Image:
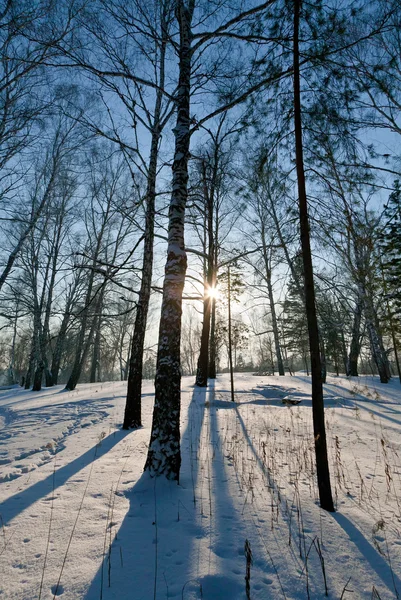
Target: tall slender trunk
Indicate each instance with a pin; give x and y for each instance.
(212, 345)
(390, 317)
(133, 405)
(203, 360)
(230, 346)
(133, 408)
(322, 465)
(323, 359)
(344, 352)
(40, 365)
(268, 277)
(82, 347)
(95, 369)
(355, 346)
(212, 353)
(11, 373)
(376, 343)
(61, 337)
(79, 358)
(44, 342)
(164, 454)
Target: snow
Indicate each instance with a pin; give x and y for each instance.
(79, 519)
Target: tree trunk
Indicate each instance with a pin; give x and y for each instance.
(94, 374)
(355, 347)
(376, 343)
(58, 350)
(203, 360)
(323, 360)
(164, 454)
(212, 353)
(133, 409)
(82, 348)
(322, 465)
(344, 352)
(11, 373)
(38, 333)
(280, 365)
(31, 365)
(81, 357)
(230, 347)
(38, 376)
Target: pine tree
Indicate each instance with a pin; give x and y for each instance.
(390, 246)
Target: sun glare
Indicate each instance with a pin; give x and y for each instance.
(213, 292)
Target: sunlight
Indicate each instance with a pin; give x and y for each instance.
(213, 292)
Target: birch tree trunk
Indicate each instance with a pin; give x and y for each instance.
(164, 454)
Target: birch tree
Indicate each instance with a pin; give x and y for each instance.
(164, 455)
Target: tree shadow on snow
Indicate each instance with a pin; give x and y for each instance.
(20, 501)
(376, 561)
(154, 540)
(275, 394)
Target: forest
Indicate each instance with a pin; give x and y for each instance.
(199, 189)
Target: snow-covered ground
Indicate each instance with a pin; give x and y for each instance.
(80, 521)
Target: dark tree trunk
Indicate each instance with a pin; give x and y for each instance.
(230, 346)
(280, 365)
(81, 357)
(37, 350)
(355, 347)
(323, 360)
(133, 409)
(344, 352)
(203, 360)
(31, 365)
(37, 378)
(95, 370)
(164, 454)
(322, 465)
(212, 355)
(133, 406)
(58, 350)
(376, 343)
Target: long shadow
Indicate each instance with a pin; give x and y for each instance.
(86, 405)
(156, 535)
(20, 501)
(227, 531)
(372, 556)
(375, 560)
(230, 529)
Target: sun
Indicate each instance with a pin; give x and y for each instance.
(213, 292)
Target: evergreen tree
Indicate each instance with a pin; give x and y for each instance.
(390, 246)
